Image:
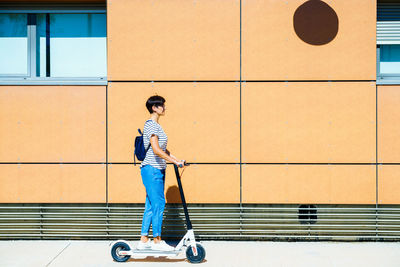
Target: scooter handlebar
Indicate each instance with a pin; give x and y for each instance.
(184, 164)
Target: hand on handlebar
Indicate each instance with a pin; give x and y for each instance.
(180, 163)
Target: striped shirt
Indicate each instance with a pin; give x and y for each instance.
(153, 128)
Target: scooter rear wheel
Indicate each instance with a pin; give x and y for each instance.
(116, 248)
(201, 254)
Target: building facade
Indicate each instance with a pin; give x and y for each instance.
(288, 111)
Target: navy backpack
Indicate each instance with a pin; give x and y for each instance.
(140, 151)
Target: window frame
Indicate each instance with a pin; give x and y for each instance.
(388, 16)
(31, 79)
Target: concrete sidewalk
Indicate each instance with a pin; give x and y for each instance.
(218, 253)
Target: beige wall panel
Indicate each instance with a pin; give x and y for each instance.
(271, 49)
(201, 184)
(309, 184)
(52, 123)
(388, 184)
(388, 124)
(52, 183)
(173, 40)
(202, 119)
(315, 122)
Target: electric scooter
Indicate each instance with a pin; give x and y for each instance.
(121, 250)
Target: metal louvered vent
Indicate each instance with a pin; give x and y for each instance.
(216, 221)
(388, 23)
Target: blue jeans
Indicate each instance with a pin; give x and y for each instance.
(154, 181)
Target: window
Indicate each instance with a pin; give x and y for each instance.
(388, 43)
(55, 45)
(389, 62)
(14, 45)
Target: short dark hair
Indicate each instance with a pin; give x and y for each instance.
(154, 100)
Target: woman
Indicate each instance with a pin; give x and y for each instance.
(153, 175)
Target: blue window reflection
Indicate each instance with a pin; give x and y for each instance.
(389, 59)
(78, 45)
(13, 44)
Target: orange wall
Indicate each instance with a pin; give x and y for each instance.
(388, 124)
(388, 144)
(309, 122)
(389, 184)
(311, 104)
(202, 119)
(53, 123)
(173, 40)
(273, 51)
(202, 184)
(53, 183)
(327, 184)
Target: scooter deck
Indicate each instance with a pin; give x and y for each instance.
(150, 252)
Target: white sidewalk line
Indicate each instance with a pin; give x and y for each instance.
(48, 264)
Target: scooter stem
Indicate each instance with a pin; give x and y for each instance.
(178, 178)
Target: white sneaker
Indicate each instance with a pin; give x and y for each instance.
(144, 245)
(162, 246)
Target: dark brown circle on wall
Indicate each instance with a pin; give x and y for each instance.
(315, 22)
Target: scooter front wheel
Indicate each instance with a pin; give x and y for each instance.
(116, 248)
(201, 254)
